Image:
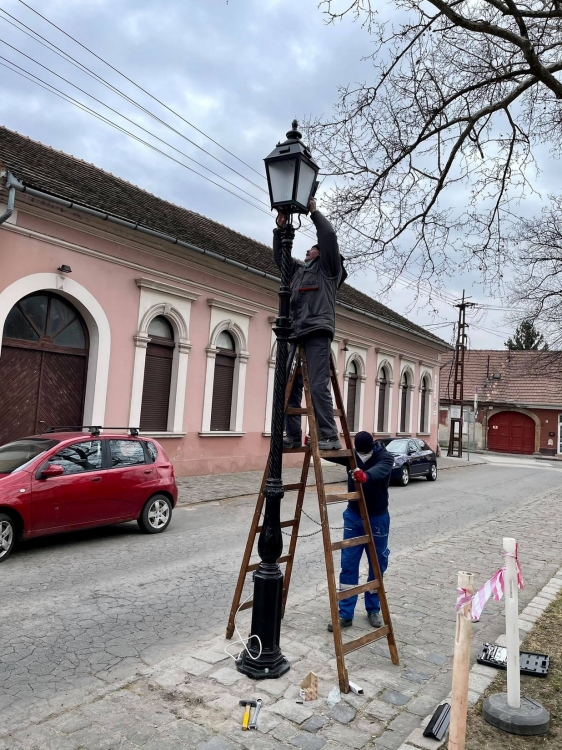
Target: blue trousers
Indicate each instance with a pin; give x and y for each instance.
(351, 558)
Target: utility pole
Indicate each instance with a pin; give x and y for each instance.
(456, 414)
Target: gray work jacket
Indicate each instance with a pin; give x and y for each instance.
(313, 289)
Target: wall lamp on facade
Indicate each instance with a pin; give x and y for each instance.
(344, 347)
(64, 269)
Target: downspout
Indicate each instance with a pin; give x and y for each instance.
(11, 199)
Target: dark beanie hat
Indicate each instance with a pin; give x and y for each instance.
(364, 442)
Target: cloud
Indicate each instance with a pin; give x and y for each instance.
(240, 71)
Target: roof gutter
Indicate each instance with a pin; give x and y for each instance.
(15, 184)
(11, 198)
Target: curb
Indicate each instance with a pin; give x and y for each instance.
(480, 675)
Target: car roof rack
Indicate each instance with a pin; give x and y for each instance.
(92, 429)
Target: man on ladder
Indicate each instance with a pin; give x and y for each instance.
(374, 464)
(314, 285)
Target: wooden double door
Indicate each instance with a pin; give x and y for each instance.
(511, 432)
(43, 366)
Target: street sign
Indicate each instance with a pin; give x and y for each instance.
(455, 412)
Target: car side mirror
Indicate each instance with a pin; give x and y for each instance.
(53, 470)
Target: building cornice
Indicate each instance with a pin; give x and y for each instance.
(160, 286)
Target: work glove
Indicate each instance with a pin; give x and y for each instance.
(359, 476)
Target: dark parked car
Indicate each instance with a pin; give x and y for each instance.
(63, 481)
(412, 458)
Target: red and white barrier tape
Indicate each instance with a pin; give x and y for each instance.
(494, 586)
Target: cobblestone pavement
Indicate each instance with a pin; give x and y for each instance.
(114, 640)
(221, 486)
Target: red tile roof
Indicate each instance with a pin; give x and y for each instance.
(56, 173)
(525, 377)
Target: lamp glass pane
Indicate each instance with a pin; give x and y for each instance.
(306, 179)
(282, 175)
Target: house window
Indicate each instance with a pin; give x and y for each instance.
(424, 403)
(382, 407)
(352, 397)
(157, 376)
(221, 409)
(405, 402)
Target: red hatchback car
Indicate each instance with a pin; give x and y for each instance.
(63, 481)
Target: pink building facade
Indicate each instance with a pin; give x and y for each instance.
(168, 324)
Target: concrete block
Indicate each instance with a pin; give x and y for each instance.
(479, 682)
(344, 736)
(484, 670)
(226, 676)
(417, 739)
(473, 697)
(526, 626)
(292, 711)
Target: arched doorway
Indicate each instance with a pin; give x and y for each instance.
(43, 366)
(511, 432)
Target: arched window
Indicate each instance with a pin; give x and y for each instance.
(424, 403)
(405, 402)
(157, 376)
(221, 409)
(352, 396)
(382, 406)
(43, 366)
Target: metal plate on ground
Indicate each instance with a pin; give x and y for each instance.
(494, 655)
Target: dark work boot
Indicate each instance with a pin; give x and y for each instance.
(292, 442)
(343, 624)
(331, 444)
(375, 618)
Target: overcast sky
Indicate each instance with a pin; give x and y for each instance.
(237, 70)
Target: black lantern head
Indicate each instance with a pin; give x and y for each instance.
(291, 174)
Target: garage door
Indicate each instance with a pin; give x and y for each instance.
(511, 432)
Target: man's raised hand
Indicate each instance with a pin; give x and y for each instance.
(312, 205)
(281, 219)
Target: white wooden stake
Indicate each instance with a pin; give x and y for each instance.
(512, 625)
(461, 668)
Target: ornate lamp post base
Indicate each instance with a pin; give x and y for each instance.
(266, 624)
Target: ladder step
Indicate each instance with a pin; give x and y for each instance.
(343, 497)
(254, 566)
(283, 524)
(296, 410)
(336, 454)
(246, 605)
(292, 487)
(356, 590)
(338, 412)
(354, 542)
(365, 639)
(302, 449)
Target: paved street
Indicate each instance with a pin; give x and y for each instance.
(84, 611)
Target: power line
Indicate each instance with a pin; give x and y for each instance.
(128, 119)
(84, 69)
(101, 59)
(84, 107)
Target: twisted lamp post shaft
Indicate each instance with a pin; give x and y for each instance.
(268, 579)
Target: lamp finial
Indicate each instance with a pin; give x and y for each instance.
(294, 134)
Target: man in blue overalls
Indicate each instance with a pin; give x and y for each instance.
(374, 464)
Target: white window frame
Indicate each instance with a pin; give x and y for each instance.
(408, 370)
(429, 394)
(356, 358)
(174, 304)
(388, 398)
(234, 318)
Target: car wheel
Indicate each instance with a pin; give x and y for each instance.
(156, 515)
(432, 476)
(7, 536)
(404, 476)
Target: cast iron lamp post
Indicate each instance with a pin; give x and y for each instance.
(291, 176)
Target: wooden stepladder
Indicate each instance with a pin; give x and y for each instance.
(341, 648)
